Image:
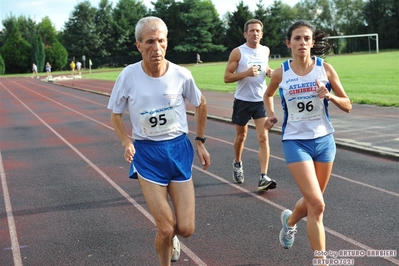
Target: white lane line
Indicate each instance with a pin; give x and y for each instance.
(341, 236)
(335, 175)
(66, 107)
(183, 247)
(60, 92)
(278, 206)
(16, 254)
(209, 137)
(367, 185)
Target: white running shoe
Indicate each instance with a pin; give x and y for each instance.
(287, 234)
(176, 249)
(238, 172)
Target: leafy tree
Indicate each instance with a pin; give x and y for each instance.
(198, 19)
(27, 27)
(328, 18)
(16, 52)
(216, 28)
(2, 66)
(333, 16)
(342, 17)
(3, 36)
(270, 18)
(235, 27)
(47, 31)
(104, 22)
(38, 54)
(126, 14)
(349, 15)
(80, 36)
(261, 13)
(8, 25)
(168, 11)
(57, 55)
(381, 16)
(49, 39)
(193, 25)
(286, 18)
(307, 10)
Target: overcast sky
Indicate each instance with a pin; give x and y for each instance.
(59, 11)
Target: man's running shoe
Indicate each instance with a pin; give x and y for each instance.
(266, 183)
(176, 249)
(287, 234)
(238, 172)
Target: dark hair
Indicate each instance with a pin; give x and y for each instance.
(321, 46)
(252, 21)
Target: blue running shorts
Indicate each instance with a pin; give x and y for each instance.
(162, 162)
(321, 150)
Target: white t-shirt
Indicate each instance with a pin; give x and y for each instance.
(251, 89)
(157, 106)
(305, 114)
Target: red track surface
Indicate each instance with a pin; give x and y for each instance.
(66, 198)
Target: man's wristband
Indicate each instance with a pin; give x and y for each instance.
(202, 139)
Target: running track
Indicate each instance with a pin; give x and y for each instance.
(66, 199)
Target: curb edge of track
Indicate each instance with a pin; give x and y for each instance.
(346, 144)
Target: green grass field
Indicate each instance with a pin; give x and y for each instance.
(367, 78)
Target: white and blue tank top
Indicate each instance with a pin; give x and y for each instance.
(305, 114)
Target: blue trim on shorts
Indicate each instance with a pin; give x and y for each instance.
(321, 150)
(162, 162)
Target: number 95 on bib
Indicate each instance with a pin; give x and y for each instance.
(158, 121)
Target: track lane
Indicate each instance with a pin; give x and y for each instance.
(63, 132)
(234, 217)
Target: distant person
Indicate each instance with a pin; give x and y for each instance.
(48, 70)
(78, 67)
(72, 65)
(154, 91)
(307, 85)
(34, 71)
(248, 65)
(198, 58)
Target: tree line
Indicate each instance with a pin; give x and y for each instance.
(105, 34)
